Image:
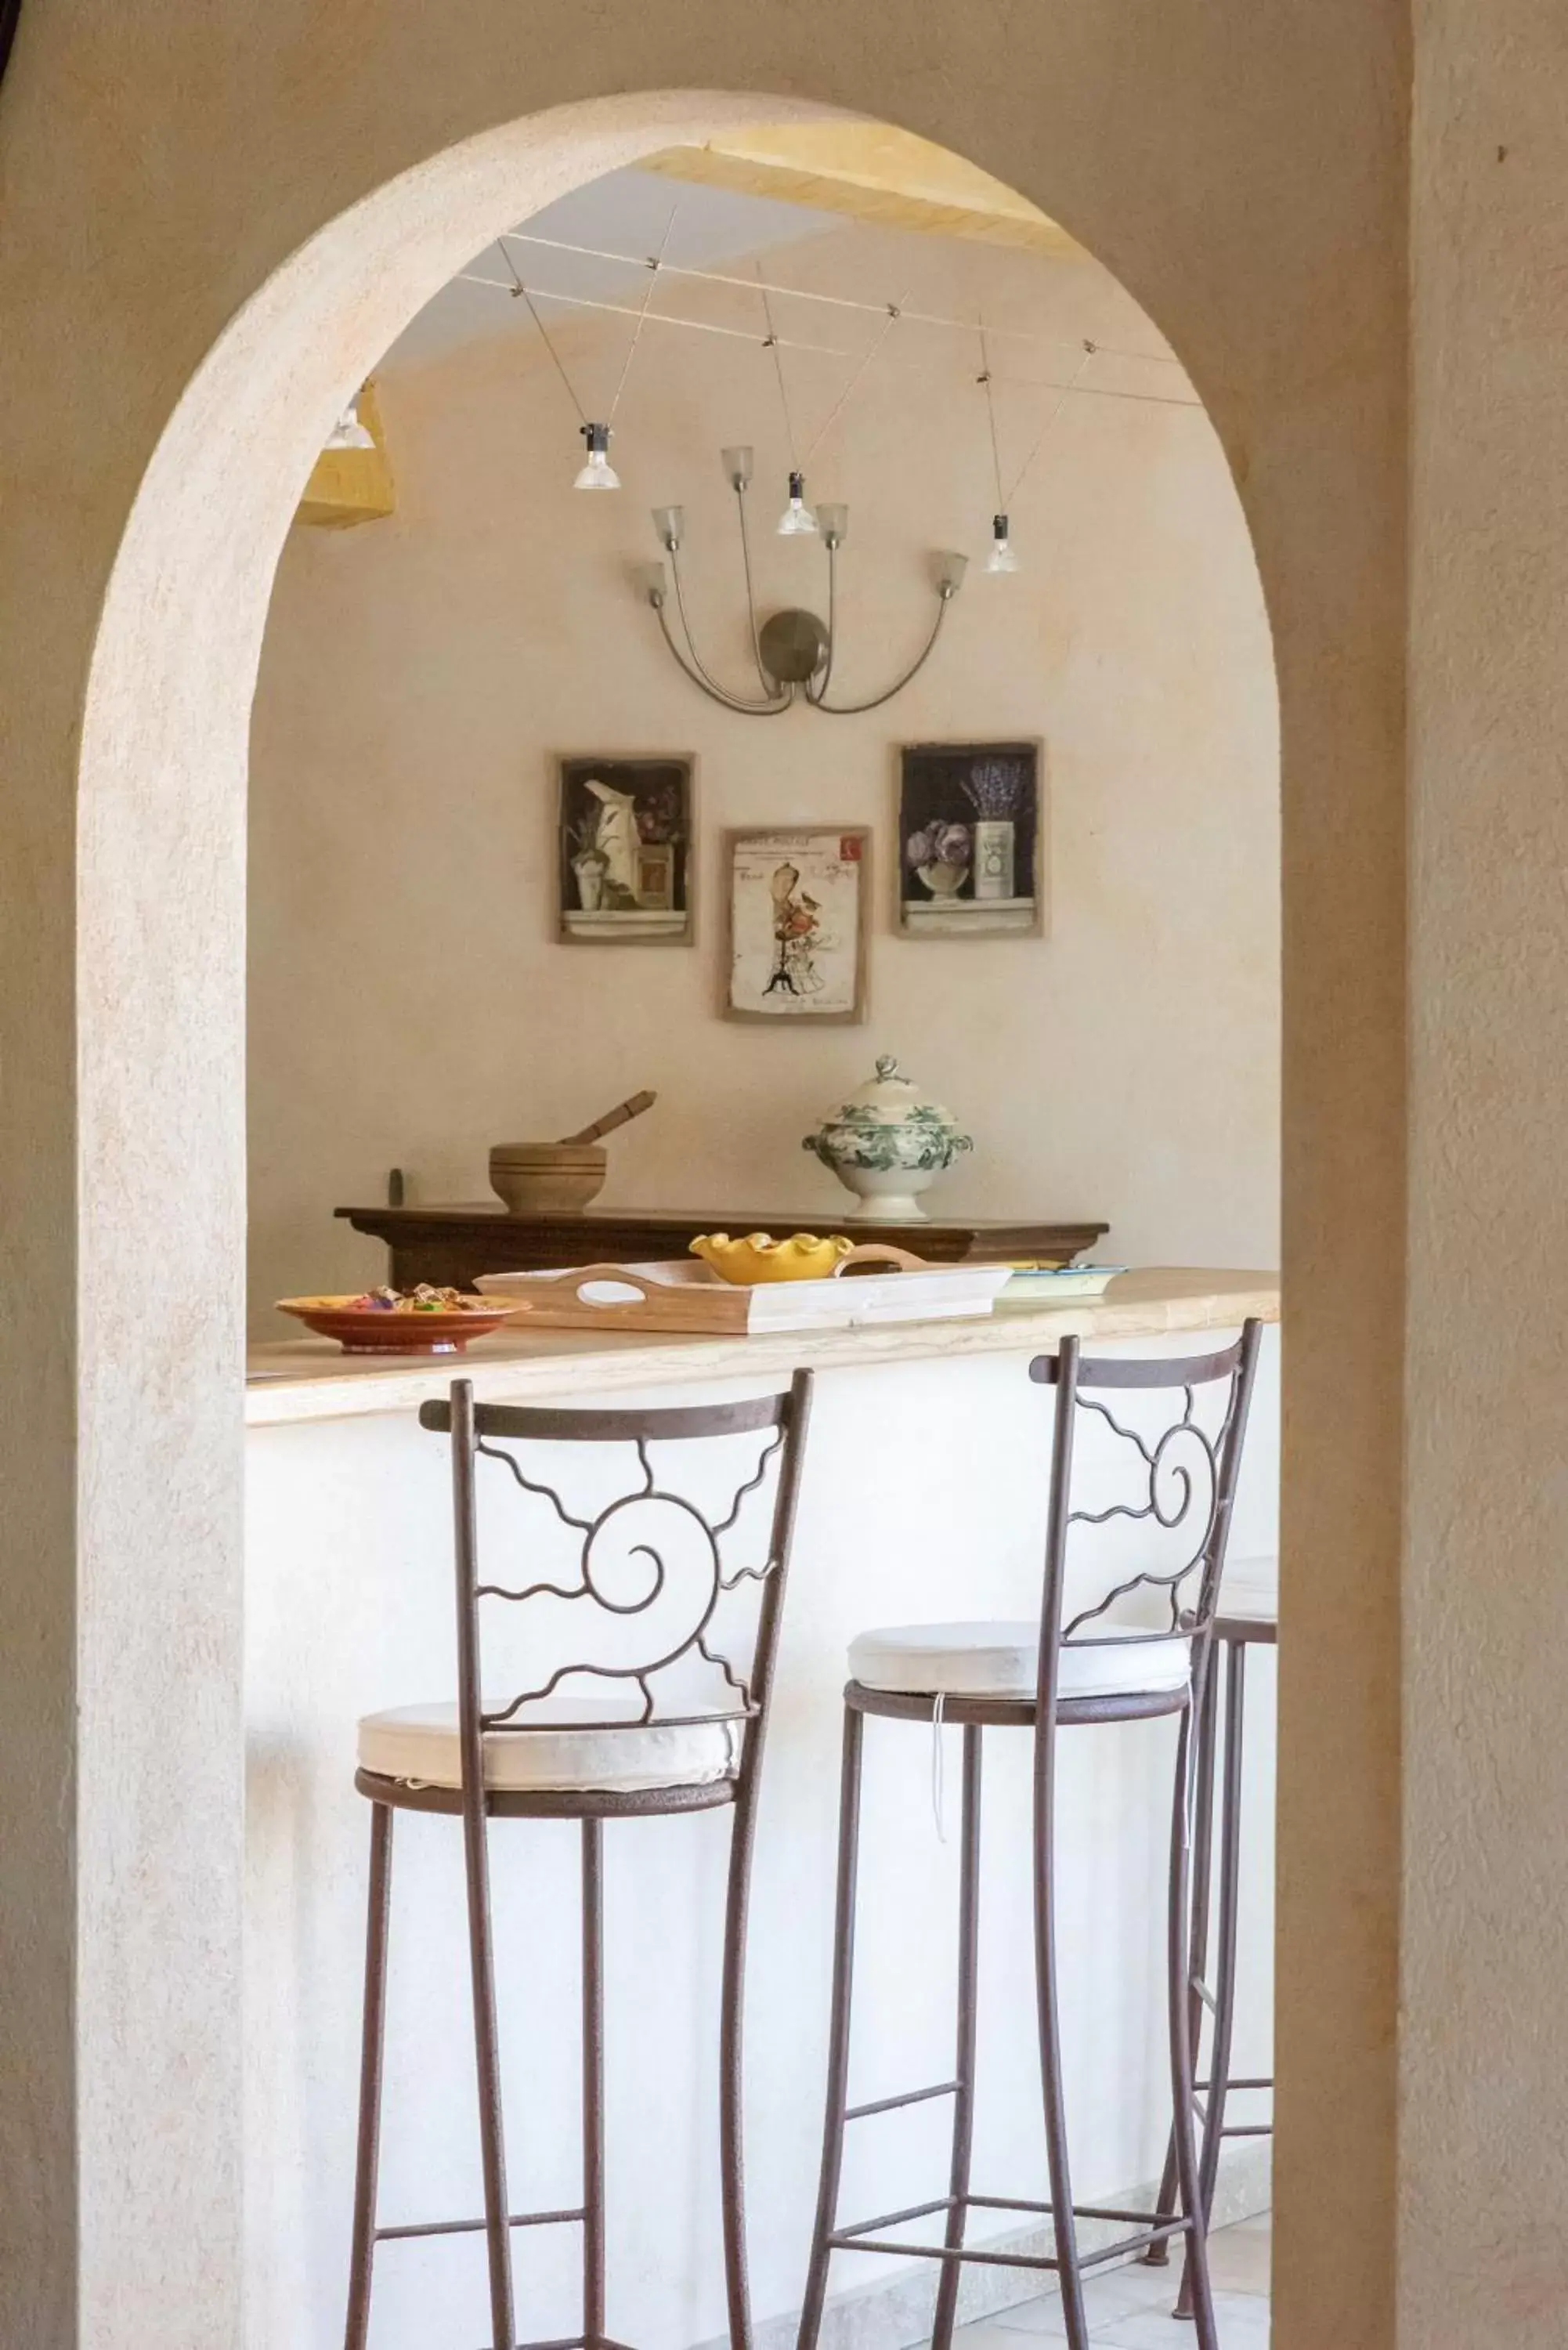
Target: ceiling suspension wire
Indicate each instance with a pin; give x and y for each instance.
(1067, 389)
(817, 350)
(894, 314)
(771, 343)
(1006, 494)
(830, 301)
(658, 318)
(655, 265)
(985, 379)
(518, 288)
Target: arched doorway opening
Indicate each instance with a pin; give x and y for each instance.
(161, 770)
(407, 980)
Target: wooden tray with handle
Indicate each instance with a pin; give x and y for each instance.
(689, 1298)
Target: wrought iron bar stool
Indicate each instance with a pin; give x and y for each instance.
(682, 1645)
(1047, 1676)
(1247, 1617)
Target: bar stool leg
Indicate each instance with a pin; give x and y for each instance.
(1158, 2254)
(963, 2067)
(731, 2053)
(838, 2030)
(487, 2054)
(1225, 1956)
(593, 2085)
(372, 2049)
(1062, 2217)
(1195, 2274)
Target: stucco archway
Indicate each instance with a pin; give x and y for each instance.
(140, 2058)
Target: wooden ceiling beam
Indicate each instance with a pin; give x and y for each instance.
(870, 171)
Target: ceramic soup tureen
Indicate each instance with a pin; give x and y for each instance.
(887, 1143)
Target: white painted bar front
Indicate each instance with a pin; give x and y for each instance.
(923, 1499)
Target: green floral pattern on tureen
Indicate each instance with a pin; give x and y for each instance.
(889, 1124)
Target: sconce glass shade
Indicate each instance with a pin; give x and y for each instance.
(670, 522)
(951, 570)
(797, 521)
(1002, 557)
(651, 584)
(599, 473)
(833, 521)
(737, 464)
(348, 433)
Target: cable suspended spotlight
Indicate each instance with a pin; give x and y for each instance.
(350, 432)
(1002, 557)
(1002, 560)
(794, 650)
(599, 473)
(797, 521)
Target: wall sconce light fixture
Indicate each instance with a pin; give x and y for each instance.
(793, 652)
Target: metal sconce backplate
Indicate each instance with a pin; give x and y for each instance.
(792, 647)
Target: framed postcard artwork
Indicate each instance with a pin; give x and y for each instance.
(797, 907)
(625, 862)
(972, 840)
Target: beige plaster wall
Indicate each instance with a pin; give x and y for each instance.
(408, 1002)
(1484, 2052)
(206, 243)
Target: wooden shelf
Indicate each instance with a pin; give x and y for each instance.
(453, 1244)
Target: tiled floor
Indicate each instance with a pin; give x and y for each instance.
(1129, 2308)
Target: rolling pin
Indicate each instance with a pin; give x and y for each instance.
(623, 1112)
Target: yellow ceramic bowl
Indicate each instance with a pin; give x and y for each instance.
(759, 1257)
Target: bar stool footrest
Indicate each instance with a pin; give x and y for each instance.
(907, 2097)
(1152, 2228)
(477, 2228)
(576, 2342)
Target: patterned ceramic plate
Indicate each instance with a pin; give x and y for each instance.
(1036, 1286)
(381, 1330)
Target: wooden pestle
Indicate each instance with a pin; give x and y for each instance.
(623, 1112)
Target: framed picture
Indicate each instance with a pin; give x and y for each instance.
(626, 830)
(972, 840)
(795, 939)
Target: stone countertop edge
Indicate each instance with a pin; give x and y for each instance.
(311, 1379)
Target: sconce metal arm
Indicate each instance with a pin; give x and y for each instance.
(854, 708)
(699, 669)
(714, 692)
(762, 677)
(815, 699)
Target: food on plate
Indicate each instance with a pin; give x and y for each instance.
(421, 1299)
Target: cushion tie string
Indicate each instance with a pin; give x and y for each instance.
(937, 1780)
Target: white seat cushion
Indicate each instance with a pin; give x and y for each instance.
(420, 1744)
(1002, 1659)
(1251, 1590)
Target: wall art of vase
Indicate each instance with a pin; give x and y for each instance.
(626, 838)
(972, 840)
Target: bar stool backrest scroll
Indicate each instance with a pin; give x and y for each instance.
(1174, 1475)
(649, 1579)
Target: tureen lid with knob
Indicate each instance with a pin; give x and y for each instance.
(888, 1099)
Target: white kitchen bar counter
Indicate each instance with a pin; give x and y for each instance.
(923, 1498)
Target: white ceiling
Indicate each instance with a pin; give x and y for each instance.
(627, 212)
